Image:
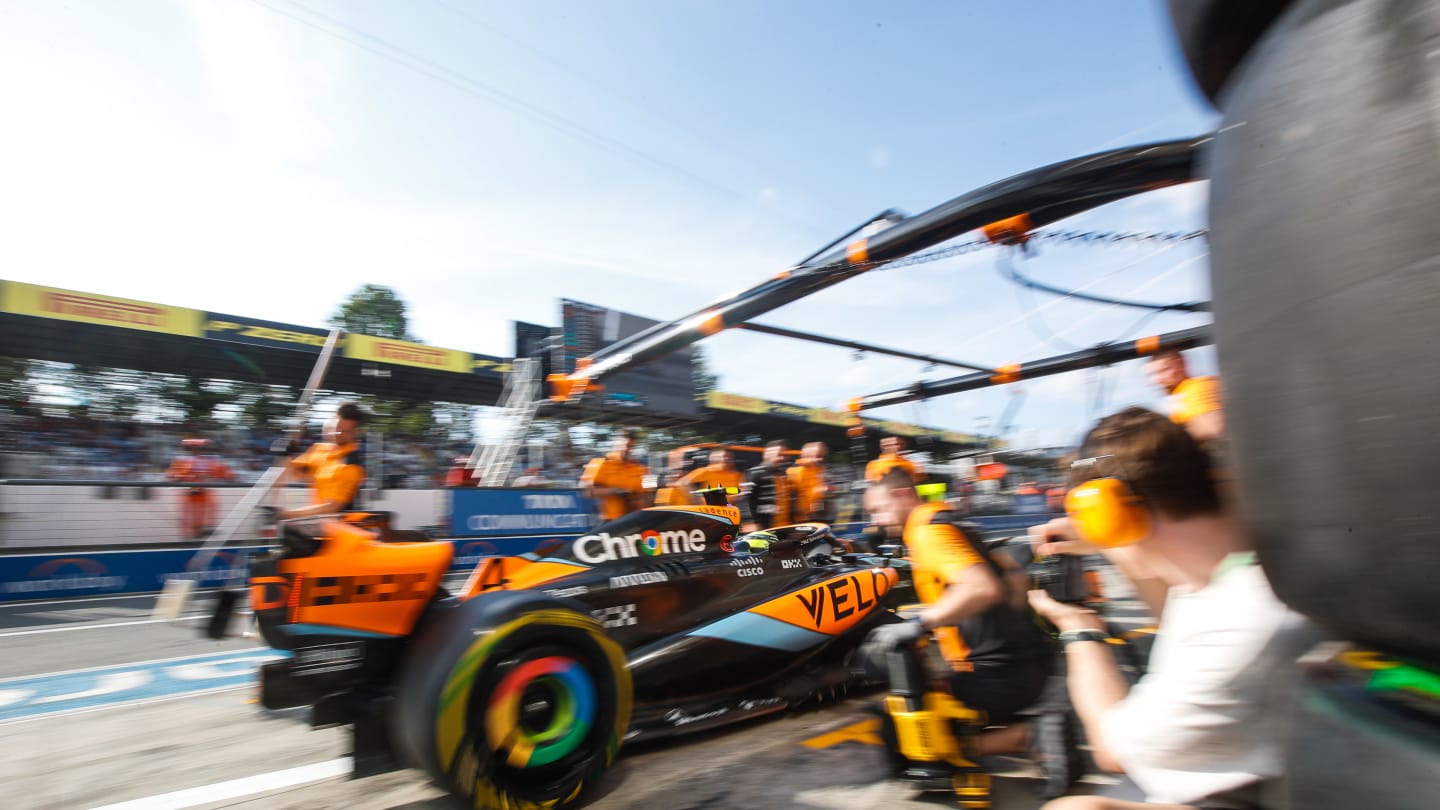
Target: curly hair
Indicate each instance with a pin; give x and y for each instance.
(1159, 459)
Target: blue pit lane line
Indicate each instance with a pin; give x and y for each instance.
(58, 693)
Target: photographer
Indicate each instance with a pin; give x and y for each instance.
(999, 657)
(1198, 729)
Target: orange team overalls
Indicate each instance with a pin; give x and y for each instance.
(709, 477)
(333, 477)
(612, 472)
(197, 505)
(876, 469)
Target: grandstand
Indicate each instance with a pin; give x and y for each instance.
(68, 326)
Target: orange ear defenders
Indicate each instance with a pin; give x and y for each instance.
(1106, 511)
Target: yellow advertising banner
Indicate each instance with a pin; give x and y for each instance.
(482, 364)
(399, 352)
(898, 428)
(820, 416)
(68, 305)
(722, 401)
(792, 411)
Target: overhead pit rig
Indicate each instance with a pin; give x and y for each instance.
(1007, 212)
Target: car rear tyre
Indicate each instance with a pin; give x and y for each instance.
(513, 701)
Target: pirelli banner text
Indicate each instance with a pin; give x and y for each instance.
(103, 310)
(722, 401)
(401, 353)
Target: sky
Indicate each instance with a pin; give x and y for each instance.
(485, 159)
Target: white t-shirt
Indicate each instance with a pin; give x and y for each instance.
(1206, 717)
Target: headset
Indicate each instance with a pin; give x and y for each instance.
(1106, 511)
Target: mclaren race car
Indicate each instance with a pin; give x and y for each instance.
(519, 689)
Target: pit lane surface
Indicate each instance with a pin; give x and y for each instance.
(218, 749)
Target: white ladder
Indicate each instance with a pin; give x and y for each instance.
(519, 401)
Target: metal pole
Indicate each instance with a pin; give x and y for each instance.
(176, 593)
(1074, 361)
(856, 345)
(1022, 202)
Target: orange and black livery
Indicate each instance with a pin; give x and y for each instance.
(517, 687)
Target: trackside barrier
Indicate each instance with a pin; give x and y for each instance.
(141, 571)
(98, 573)
(44, 515)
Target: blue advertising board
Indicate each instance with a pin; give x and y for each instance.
(1030, 504)
(515, 512)
(96, 573)
(105, 573)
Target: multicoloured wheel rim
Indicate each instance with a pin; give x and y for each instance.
(452, 723)
(541, 711)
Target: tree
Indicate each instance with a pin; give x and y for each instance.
(115, 394)
(17, 384)
(265, 407)
(197, 398)
(374, 310)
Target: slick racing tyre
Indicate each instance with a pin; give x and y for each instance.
(1325, 316)
(513, 700)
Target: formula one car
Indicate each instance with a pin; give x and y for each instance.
(519, 690)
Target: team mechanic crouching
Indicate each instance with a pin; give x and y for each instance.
(999, 655)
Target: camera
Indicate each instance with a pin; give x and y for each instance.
(1060, 575)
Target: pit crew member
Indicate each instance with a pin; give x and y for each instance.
(807, 480)
(892, 456)
(333, 467)
(719, 472)
(616, 481)
(766, 498)
(196, 467)
(999, 655)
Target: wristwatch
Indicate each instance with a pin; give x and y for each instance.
(1069, 637)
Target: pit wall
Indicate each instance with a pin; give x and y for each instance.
(89, 539)
(51, 515)
(96, 539)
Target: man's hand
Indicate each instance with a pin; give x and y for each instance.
(284, 447)
(1059, 536)
(1064, 616)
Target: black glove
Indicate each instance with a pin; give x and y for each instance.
(872, 660)
(284, 447)
(871, 539)
(898, 634)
